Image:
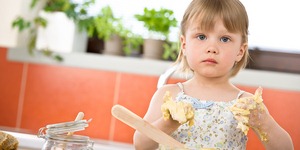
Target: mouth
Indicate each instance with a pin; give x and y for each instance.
(210, 61)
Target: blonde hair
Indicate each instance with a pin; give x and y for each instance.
(233, 15)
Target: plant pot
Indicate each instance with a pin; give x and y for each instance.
(153, 49)
(61, 34)
(95, 45)
(113, 46)
(133, 51)
(136, 52)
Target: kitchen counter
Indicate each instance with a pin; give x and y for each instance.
(248, 77)
(32, 142)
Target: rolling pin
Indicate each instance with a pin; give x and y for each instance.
(136, 122)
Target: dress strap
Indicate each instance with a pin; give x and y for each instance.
(240, 94)
(180, 86)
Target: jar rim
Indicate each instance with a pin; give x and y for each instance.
(63, 128)
(68, 138)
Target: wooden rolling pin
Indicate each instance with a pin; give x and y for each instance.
(136, 122)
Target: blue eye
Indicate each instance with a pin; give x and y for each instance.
(224, 39)
(201, 37)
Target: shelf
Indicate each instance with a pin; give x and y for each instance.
(248, 77)
(97, 61)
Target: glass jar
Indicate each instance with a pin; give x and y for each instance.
(67, 142)
(60, 136)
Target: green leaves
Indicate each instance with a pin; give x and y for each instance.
(49, 53)
(57, 5)
(21, 24)
(33, 3)
(132, 42)
(171, 50)
(75, 11)
(88, 24)
(158, 20)
(39, 21)
(107, 25)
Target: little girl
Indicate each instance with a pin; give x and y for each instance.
(214, 47)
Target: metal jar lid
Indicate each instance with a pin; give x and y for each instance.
(60, 131)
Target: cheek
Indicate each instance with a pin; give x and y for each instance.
(193, 48)
(194, 52)
(229, 58)
(192, 59)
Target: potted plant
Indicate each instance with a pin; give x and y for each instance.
(158, 23)
(132, 44)
(171, 50)
(110, 29)
(95, 44)
(42, 24)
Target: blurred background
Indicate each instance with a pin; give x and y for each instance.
(59, 57)
(273, 24)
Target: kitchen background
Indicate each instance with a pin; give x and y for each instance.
(36, 91)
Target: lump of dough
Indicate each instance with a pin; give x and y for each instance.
(8, 142)
(180, 111)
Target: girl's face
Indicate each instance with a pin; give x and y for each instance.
(212, 53)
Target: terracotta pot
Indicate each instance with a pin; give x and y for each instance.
(153, 48)
(113, 46)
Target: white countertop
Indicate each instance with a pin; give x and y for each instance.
(32, 142)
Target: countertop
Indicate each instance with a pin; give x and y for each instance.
(248, 77)
(32, 142)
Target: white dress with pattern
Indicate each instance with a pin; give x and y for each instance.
(215, 126)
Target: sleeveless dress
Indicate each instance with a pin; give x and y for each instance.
(214, 127)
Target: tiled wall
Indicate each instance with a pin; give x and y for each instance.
(34, 95)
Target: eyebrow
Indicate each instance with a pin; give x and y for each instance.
(195, 29)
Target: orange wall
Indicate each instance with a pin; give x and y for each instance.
(34, 95)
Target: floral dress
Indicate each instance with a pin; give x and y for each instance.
(215, 126)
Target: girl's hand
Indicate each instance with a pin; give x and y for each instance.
(257, 120)
(257, 116)
(179, 111)
(251, 112)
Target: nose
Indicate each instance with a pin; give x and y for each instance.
(212, 46)
(212, 50)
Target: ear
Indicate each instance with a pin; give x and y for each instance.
(241, 52)
(182, 43)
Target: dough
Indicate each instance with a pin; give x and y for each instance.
(180, 111)
(241, 111)
(8, 142)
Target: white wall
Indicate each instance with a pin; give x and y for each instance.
(274, 24)
(9, 10)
